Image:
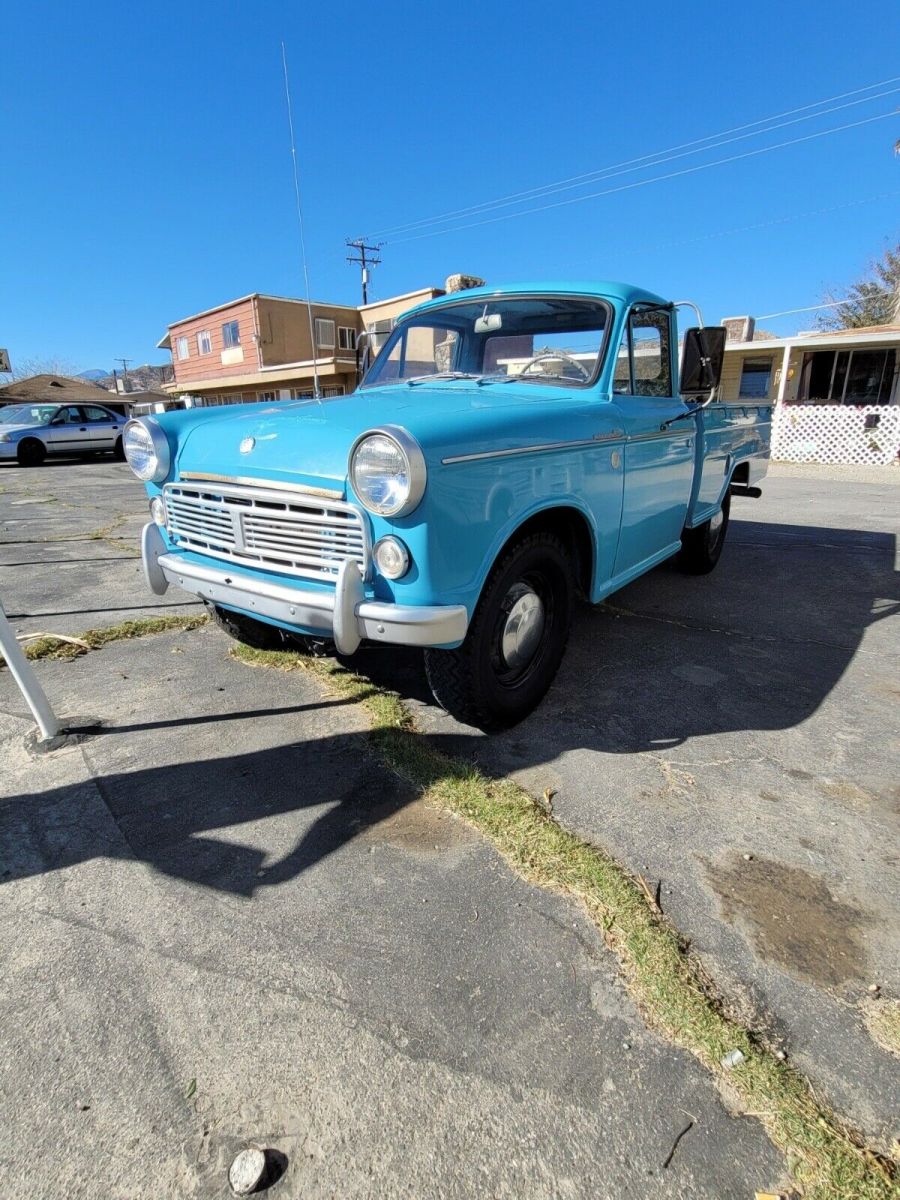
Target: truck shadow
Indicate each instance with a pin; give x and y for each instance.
(758, 645)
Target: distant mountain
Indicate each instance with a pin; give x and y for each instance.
(93, 375)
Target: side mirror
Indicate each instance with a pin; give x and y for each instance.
(701, 360)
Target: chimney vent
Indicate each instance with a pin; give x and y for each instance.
(739, 329)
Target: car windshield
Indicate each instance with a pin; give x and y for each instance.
(27, 414)
(556, 340)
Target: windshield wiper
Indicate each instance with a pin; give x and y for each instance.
(546, 375)
(498, 378)
(439, 375)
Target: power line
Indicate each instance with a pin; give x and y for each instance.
(812, 212)
(789, 312)
(364, 263)
(625, 187)
(657, 157)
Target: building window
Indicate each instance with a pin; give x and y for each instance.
(204, 342)
(231, 334)
(346, 338)
(181, 348)
(333, 391)
(302, 394)
(858, 376)
(324, 333)
(265, 397)
(756, 375)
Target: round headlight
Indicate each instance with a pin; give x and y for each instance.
(387, 470)
(146, 449)
(158, 510)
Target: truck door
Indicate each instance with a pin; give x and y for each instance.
(658, 463)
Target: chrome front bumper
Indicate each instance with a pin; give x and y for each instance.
(344, 615)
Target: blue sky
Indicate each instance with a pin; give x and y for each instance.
(146, 172)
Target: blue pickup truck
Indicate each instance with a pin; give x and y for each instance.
(508, 449)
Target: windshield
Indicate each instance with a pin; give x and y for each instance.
(27, 414)
(555, 340)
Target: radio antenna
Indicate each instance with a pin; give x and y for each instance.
(312, 338)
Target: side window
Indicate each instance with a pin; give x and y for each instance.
(70, 415)
(644, 361)
(651, 355)
(97, 415)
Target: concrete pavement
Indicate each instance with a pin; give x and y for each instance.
(223, 921)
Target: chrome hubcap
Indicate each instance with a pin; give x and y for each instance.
(524, 626)
(715, 528)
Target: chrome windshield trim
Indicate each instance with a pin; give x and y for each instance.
(599, 439)
(270, 484)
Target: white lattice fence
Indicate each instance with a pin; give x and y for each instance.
(831, 433)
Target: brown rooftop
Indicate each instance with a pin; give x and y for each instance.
(52, 389)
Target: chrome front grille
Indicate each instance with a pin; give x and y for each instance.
(263, 527)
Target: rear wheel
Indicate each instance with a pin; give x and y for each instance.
(260, 636)
(701, 548)
(30, 452)
(515, 641)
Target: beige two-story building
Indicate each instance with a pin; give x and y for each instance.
(266, 348)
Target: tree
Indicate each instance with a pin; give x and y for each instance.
(24, 368)
(873, 300)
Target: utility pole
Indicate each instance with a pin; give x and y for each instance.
(364, 263)
(124, 362)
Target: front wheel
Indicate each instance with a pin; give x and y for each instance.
(30, 452)
(515, 641)
(118, 450)
(701, 548)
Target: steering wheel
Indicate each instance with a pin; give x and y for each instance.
(563, 355)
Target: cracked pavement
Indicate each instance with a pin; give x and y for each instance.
(222, 920)
(734, 739)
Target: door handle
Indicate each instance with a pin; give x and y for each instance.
(83, 429)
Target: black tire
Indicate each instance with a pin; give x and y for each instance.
(260, 636)
(118, 450)
(30, 452)
(701, 548)
(479, 683)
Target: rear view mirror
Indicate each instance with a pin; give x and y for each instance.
(701, 360)
(489, 322)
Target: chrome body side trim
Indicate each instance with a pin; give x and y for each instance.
(342, 614)
(599, 439)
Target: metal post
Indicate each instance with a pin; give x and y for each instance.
(785, 367)
(24, 675)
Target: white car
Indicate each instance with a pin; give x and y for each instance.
(29, 432)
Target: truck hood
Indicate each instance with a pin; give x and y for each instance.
(308, 442)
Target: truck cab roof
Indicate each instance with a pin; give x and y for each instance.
(621, 293)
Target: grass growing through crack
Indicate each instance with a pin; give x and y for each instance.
(883, 1021)
(50, 646)
(826, 1159)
